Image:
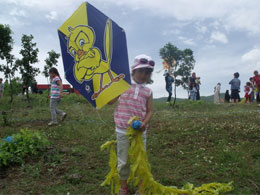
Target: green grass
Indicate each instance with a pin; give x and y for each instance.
(194, 142)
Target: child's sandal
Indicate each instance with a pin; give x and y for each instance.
(123, 191)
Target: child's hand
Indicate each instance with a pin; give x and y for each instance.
(113, 101)
(143, 126)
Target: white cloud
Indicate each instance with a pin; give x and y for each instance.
(252, 58)
(187, 41)
(16, 12)
(202, 29)
(171, 32)
(52, 15)
(231, 14)
(218, 37)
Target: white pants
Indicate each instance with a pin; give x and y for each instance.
(122, 154)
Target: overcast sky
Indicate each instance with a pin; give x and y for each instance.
(224, 34)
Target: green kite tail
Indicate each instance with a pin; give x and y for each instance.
(140, 172)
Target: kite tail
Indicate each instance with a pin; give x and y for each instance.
(140, 172)
(112, 177)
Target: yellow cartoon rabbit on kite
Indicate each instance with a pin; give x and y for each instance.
(88, 58)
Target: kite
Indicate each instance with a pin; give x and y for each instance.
(94, 53)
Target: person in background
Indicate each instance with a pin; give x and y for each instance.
(34, 87)
(227, 97)
(169, 80)
(25, 89)
(235, 88)
(253, 89)
(2, 88)
(197, 81)
(217, 94)
(248, 91)
(193, 92)
(192, 81)
(55, 96)
(257, 85)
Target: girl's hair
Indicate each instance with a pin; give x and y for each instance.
(236, 75)
(54, 71)
(248, 83)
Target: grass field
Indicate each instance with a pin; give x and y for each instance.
(195, 142)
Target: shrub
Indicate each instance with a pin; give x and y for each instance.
(16, 148)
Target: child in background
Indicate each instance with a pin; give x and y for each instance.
(136, 101)
(251, 79)
(169, 80)
(227, 97)
(248, 91)
(193, 92)
(217, 94)
(55, 96)
(2, 88)
(235, 88)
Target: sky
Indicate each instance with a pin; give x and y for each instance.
(224, 34)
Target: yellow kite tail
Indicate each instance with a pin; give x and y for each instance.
(141, 176)
(112, 177)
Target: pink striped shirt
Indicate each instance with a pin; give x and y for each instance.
(55, 90)
(132, 103)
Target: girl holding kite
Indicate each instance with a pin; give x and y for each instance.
(55, 95)
(136, 101)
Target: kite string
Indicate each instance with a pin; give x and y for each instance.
(100, 117)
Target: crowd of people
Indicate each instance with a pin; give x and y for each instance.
(193, 85)
(251, 89)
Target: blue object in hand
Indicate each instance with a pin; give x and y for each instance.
(136, 125)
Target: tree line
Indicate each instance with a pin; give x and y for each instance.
(181, 62)
(27, 64)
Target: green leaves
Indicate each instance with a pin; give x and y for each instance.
(29, 54)
(185, 62)
(25, 144)
(6, 41)
(50, 61)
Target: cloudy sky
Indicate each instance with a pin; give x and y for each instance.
(224, 34)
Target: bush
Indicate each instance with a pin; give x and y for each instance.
(16, 85)
(16, 148)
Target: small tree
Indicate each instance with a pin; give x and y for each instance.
(29, 54)
(50, 61)
(181, 62)
(187, 64)
(6, 46)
